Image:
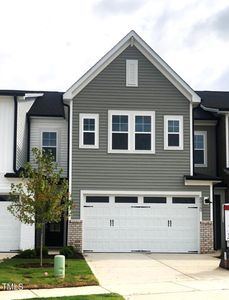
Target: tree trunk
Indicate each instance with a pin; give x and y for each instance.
(41, 246)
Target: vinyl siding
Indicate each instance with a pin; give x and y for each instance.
(95, 168)
(23, 107)
(51, 124)
(6, 134)
(211, 151)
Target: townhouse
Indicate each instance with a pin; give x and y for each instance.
(146, 156)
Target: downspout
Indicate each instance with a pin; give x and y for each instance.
(15, 135)
(68, 155)
(28, 137)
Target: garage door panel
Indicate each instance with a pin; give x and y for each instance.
(9, 229)
(155, 227)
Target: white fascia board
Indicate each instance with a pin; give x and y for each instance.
(140, 193)
(189, 182)
(33, 95)
(98, 67)
(132, 38)
(167, 71)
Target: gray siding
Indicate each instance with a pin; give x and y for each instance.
(211, 151)
(95, 168)
(45, 124)
(22, 134)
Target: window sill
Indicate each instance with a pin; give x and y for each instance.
(200, 166)
(173, 148)
(130, 152)
(88, 147)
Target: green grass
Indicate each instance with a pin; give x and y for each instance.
(77, 272)
(89, 297)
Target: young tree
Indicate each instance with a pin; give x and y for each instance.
(42, 195)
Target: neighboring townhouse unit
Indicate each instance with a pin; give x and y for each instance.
(132, 173)
(212, 152)
(28, 120)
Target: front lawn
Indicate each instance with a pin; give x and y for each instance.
(14, 271)
(89, 297)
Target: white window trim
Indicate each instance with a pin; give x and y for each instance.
(131, 131)
(57, 141)
(128, 63)
(81, 131)
(181, 133)
(204, 133)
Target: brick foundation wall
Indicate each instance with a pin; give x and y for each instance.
(206, 237)
(75, 234)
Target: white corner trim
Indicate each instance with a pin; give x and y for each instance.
(227, 131)
(83, 116)
(132, 38)
(204, 134)
(70, 151)
(191, 138)
(131, 131)
(181, 132)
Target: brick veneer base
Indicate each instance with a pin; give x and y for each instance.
(75, 234)
(206, 237)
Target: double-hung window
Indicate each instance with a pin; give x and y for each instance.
(120, 132)
(49, 143)
(173, 132)
(131, 132)
(89, 131)
(200, 149)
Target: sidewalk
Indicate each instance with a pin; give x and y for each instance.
(56, 292)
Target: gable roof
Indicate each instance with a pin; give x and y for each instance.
(48, 105)
(215, 100)
(133, 39)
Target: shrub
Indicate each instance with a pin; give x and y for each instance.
(28, 253)
(68, 251)
(44, 252)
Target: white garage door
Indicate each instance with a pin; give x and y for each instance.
(9, 228)
(139, 223)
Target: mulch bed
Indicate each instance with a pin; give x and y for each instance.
(35, 265)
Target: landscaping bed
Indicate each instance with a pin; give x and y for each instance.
(27, 272)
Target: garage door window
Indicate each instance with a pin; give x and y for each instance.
(4, 198)
(183, 200)
(126, 199)
(154, 199)
(97, 199)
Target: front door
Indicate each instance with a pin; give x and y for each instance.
(54, 234)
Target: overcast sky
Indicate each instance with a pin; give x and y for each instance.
(49, 44)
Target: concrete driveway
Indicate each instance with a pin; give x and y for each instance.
(139, 276)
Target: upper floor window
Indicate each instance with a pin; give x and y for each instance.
(200, 149)
(131, 72)
(131, 132)
(89, 131)
(49, 143)
(173, 132)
